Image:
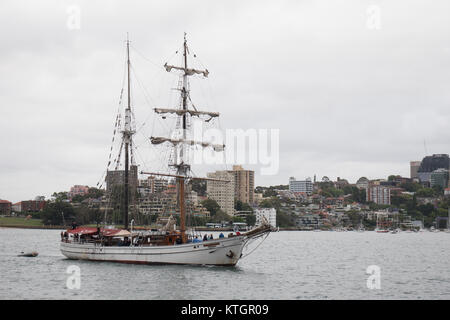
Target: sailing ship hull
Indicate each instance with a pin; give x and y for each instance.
(221, 252)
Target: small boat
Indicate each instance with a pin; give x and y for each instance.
(28, 254)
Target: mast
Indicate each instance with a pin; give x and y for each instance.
(127, 133)
(180, 145)
(182, 169)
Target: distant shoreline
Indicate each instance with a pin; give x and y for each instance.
(140, 228)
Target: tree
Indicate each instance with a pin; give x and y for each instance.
(425, 192)
(270, 203)
(220, 216)
(58, 213)
(284, 220)
(242, 206)
(211, 205)
(199, 186)
(95, 193)
(59, 196)
(250, 219)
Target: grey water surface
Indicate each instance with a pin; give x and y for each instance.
(287, 265)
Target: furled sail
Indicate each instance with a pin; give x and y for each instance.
(159, 140)
(191, 112)
(188, 72)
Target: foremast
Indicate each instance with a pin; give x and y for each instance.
(127, 135)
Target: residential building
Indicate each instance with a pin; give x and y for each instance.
(305, 186)
(223, 192)
(414, 168)
(77, 190)
(244, 184)
(309, 221)
(117, 177)
(32, 206)
(5, 207)
(16, 207)
(447, 192)
(258, 197)
(154, 185)
(440, 178)
(378, 194)
(430, 164)
(269, 214)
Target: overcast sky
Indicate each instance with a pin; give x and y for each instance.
(353, 93)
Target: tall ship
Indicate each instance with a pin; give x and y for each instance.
(170, 244)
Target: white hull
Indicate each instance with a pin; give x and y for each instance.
(224, 252)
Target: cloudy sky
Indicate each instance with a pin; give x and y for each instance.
(356, 88)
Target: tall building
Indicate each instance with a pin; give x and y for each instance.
(440, 178)
(244, 184)
(222, 192)
(414, 168)
(117, 177)
(154, 185)
(305, 186)
(270, 214)
(431, 163)
(378, 194)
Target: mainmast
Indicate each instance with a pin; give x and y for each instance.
(127, 139)
(182, 164)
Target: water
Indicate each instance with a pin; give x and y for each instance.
(288, 265)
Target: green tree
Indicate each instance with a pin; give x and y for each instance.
(220, 216)
(58, 213)
(199, 186)
(425, 192)
(284, 220)
(250, 219)
(59, 196)
(211, 205)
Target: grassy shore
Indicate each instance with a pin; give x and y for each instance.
(22, 222)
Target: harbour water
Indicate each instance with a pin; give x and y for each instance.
(287, 265)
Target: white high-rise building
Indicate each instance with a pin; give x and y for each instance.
(269, 213)
(305, 186)
(378, 194)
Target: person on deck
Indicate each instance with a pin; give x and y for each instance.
(196, 239)
(211, 237)
(221, 235)
(205, 237)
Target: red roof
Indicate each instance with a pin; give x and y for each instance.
(4, 201)
(93, 230)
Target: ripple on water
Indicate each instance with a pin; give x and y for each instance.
(288, 265)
